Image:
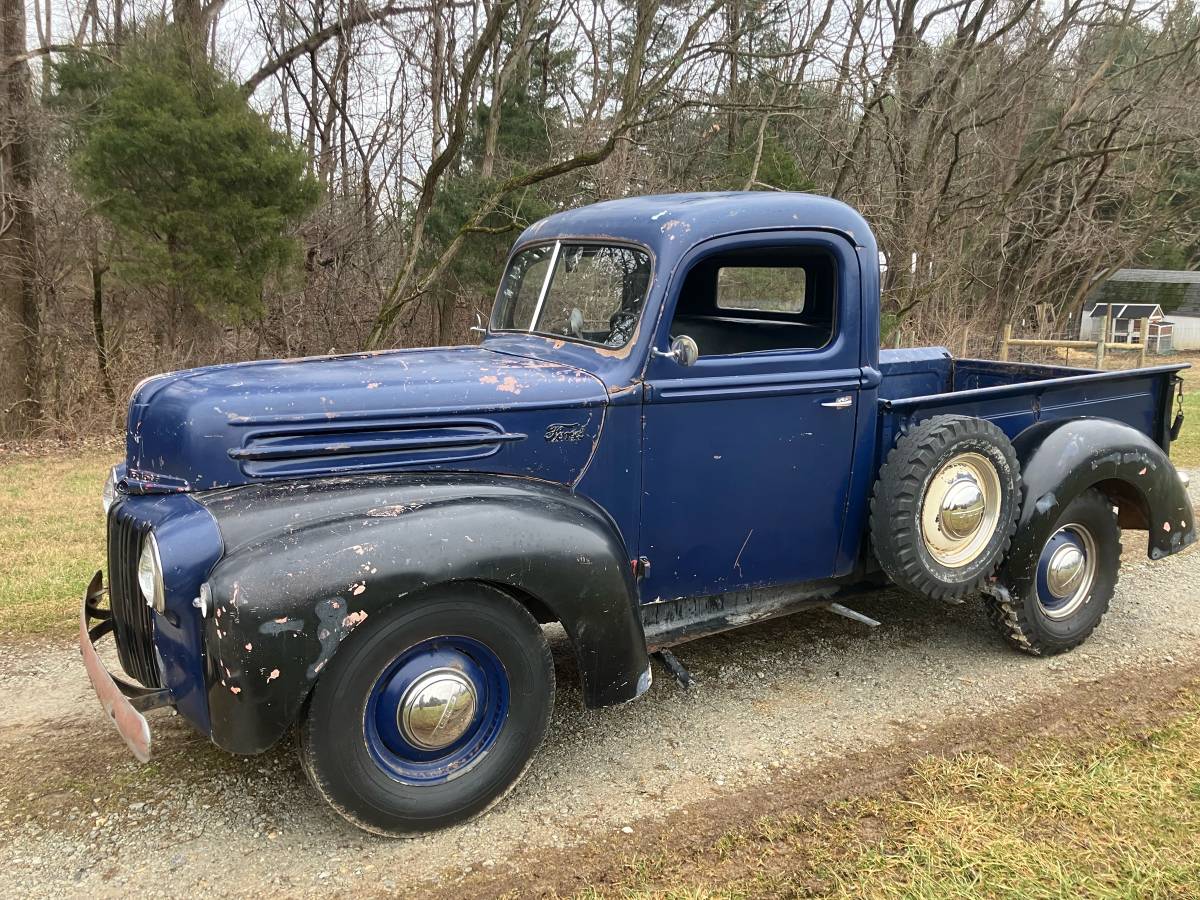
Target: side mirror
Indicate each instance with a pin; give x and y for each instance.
(575, 323)
(684, 351)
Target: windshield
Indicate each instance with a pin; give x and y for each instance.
(585, 292)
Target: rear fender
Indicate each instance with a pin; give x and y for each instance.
(283, 604)
(1060, 460)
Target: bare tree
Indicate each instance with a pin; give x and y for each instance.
(19, 312)
(1007, 154)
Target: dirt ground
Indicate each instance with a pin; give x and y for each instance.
(786, 711)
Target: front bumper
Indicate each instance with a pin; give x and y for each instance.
(123, 701)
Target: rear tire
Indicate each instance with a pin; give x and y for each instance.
(427, 716)
(945, 507)
(1052, 603)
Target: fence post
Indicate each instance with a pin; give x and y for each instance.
(1005, 338)
(1100, 353)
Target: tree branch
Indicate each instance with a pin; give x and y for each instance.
(322, 36)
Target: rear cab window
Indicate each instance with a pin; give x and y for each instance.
(761, 288)
(759, 300)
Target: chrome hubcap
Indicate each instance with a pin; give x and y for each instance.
(960, 510)
(437, 709)
(1067, 571)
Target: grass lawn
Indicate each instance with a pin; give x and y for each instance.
(1186, 451)
(51, 539)
(1118, 819)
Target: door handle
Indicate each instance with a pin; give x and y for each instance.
(843, 402)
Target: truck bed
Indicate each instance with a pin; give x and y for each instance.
(923, 382)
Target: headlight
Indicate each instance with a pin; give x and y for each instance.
(109, 495)
(150, 576)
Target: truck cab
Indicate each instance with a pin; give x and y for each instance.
(679, 420)
(782, 348)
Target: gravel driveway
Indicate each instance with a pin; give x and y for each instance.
(79, 816)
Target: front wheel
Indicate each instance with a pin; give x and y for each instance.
(1053, 603)
(431, 714)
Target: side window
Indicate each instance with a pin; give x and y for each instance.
(762, 288)
(754, 301)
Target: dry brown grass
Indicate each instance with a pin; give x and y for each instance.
(51, 538)
(1064, 819)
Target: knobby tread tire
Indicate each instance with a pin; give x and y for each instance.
(896, 505)
(327, 743)
(1012, 606)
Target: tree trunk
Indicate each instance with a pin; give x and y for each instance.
(191, 24)
(98, 270)
(447, 320)
(20, 327)
(733, 26)
(491, 134)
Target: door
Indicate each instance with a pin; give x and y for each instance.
(747, 453)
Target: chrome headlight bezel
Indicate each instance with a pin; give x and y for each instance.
(150, 574)
(108, 494)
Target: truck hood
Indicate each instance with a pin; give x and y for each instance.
(450, 408)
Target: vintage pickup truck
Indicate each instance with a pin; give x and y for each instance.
(679, 421)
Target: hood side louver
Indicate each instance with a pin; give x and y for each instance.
(305, 449)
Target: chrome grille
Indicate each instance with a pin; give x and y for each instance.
(132, 624)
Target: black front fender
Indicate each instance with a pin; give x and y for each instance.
(307, 564)
(1060, 460)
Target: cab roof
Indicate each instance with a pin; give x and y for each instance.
(671, 224)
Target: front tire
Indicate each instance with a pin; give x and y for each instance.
(1052, 603)
(428, 716)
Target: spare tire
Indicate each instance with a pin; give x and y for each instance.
(945, 506)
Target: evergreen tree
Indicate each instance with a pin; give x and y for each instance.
(201, 192)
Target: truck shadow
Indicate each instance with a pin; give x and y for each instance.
(791, 644)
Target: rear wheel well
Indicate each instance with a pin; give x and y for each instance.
(1133, 511)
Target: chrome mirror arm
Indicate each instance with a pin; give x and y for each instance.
(683, 351)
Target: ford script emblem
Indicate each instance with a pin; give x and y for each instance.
(562, 433)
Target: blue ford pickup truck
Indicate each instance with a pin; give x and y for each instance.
(679, 421)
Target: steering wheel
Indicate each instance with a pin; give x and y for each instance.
(621, 325)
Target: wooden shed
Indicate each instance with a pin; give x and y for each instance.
(1129, 322)
(1166, 300)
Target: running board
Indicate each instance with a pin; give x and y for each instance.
(670, 622)
(684, 678)
(853, 615)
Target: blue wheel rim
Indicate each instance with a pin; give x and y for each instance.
(1062, 603)
(398, 756)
